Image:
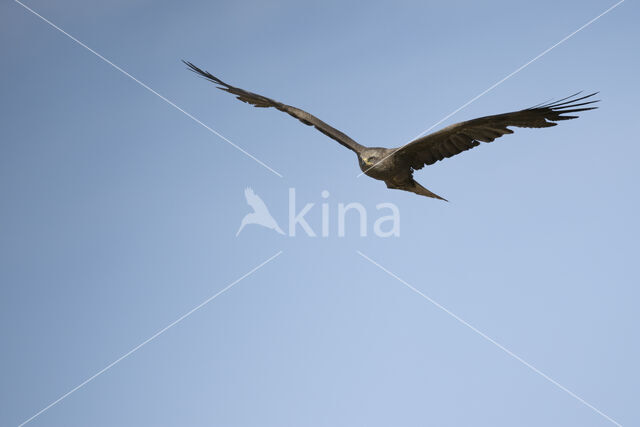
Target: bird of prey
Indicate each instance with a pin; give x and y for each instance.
(395, 166)
(260, 214)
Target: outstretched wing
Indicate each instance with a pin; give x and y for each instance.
(264, 102)
(462, 136)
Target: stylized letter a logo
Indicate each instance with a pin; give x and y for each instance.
(260, 214)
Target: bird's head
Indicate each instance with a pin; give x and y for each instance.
(369, 161)
(371, 156)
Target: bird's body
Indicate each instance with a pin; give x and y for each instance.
(382, 164)
(395, 166)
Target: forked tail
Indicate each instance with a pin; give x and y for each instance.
(419, 189)
(414, 187)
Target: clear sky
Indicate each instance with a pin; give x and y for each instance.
(118, 215)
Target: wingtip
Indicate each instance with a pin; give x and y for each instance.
(205, 74)
(567, 101)
(192, 67)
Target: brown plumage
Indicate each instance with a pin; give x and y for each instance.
(395, 166)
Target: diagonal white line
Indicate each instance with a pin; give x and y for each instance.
(498, 83)
(151, 338)
(491, 340)
(237, 147)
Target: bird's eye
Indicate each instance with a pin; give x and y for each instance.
(373, 159)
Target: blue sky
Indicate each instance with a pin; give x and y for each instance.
(119, 215)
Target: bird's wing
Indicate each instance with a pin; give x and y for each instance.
(462, 136)
(255, 201)
(264, 102)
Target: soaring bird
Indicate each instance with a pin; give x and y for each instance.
(395, 166)
(260, 214)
